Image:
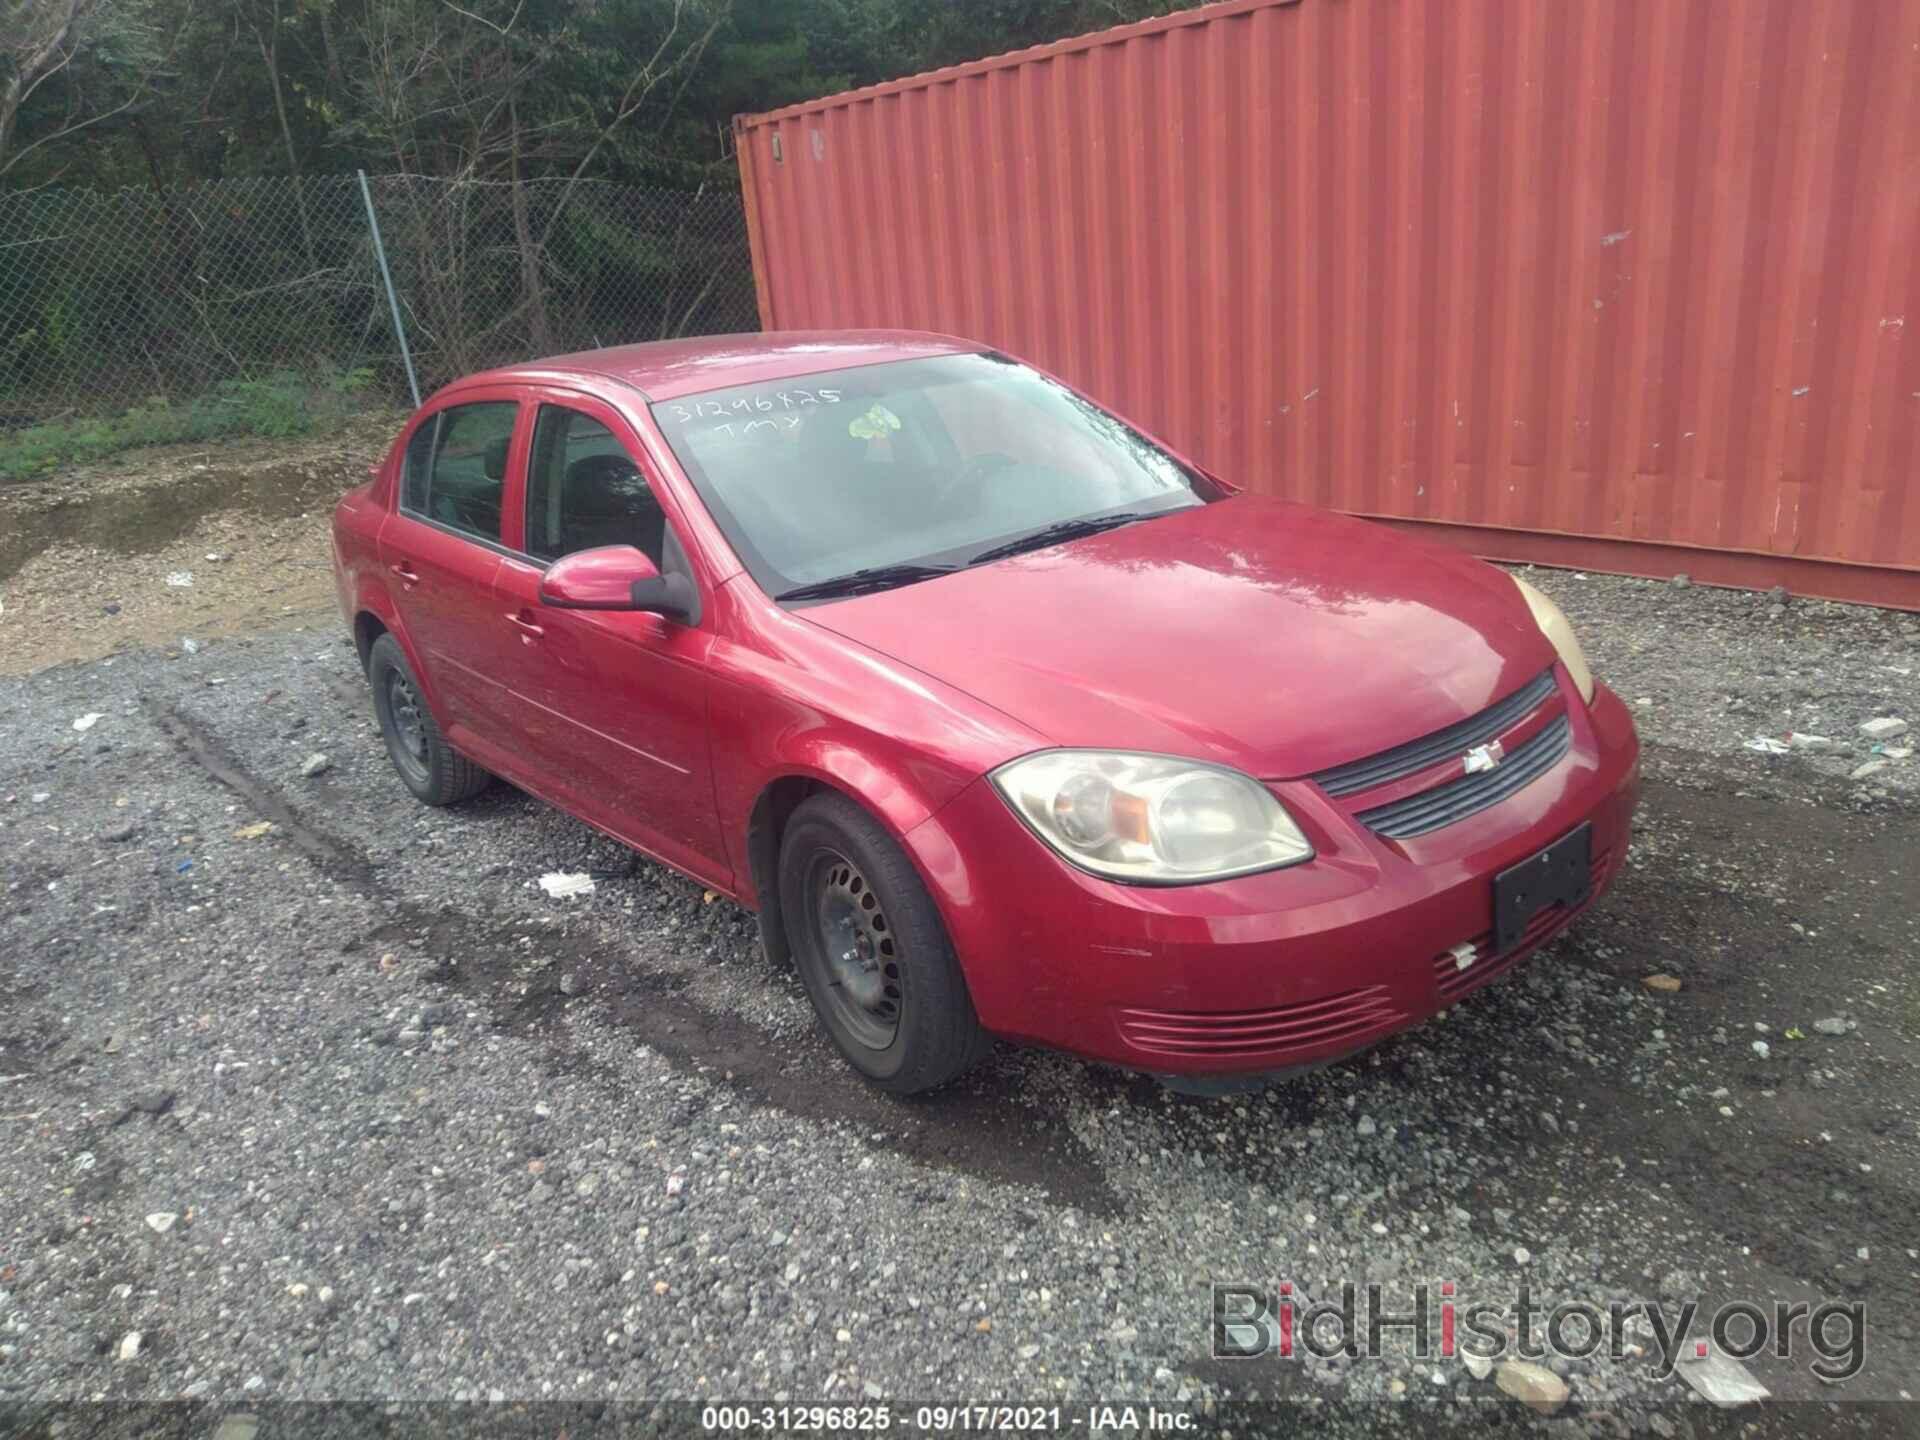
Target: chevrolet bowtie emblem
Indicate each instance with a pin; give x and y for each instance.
(1485, 757)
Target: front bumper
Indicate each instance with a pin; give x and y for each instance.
(1267, 972)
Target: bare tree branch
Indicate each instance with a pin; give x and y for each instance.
(645, 80)
(482, 20)
(36, 46)
(40, 40)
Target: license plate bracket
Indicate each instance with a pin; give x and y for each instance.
(1561, 874)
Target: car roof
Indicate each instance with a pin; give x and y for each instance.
(668, 369)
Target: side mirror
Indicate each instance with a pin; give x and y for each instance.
(616, 577)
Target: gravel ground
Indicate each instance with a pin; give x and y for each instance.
(1714, 671)
(424, 1133)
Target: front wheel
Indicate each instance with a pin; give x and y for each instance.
(870, 948)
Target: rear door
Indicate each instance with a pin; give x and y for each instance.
(442, 546)
(612, 704)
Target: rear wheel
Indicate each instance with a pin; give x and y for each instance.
(872, 952)
(433, 770)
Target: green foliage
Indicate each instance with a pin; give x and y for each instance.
(281, 404)
(416, 84)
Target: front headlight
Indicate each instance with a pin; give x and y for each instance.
(1554, 626)
(1152, 819)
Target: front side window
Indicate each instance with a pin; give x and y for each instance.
(583, 490)
(932, 464)
(456, 468)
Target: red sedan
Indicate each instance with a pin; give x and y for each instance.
(1006, 718)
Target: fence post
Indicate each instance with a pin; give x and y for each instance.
(393, 302)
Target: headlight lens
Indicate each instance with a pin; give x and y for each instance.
(1151, 818)
(1554, 626)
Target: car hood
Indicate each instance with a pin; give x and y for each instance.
(1271, 637)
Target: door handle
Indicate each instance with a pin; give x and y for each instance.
(526, 627)
(408, 575)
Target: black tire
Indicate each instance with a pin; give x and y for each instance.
(433, 770)
(871, 949)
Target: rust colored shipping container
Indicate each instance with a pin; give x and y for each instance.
(1616, 285)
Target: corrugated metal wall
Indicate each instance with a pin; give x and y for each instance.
(1589, 282)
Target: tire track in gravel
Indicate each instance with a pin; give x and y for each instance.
(334, 858)
(973, 1129)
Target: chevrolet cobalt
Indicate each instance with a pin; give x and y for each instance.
(1007, 719)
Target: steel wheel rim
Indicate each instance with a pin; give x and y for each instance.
(409, 723)
(859, 957)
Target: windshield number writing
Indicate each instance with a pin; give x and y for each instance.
(690, 410)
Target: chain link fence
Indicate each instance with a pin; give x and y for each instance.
(209, 295)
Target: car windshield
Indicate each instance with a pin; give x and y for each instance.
(850, 480)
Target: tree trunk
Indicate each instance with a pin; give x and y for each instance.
(270, 54)
(523, 239)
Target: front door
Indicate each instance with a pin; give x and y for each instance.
(612, 705)
(441, 548)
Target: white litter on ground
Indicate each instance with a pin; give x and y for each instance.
(181, 579)
(1723, 1380)
(88, 720)
(561, 886)
(1767, 745)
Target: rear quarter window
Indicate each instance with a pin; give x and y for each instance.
(419, 463)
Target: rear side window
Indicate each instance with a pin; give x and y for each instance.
(456, 469)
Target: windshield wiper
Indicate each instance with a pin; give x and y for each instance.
(1053, 534)
(862, 582)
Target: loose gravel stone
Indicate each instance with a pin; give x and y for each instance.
(1534, 1386)
(156, 1100)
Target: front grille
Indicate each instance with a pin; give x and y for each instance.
(1470, 794)
(1453, 982)
(1351, 1015)
(1457, 739)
